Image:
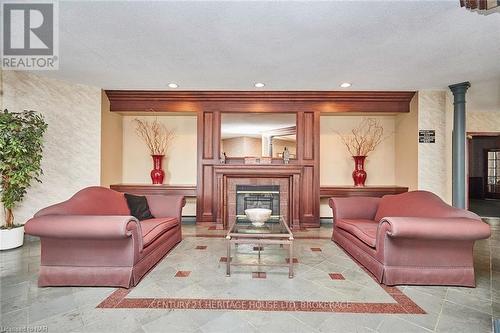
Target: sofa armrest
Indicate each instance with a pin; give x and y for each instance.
(166, 205)
(84, 227)
(354, 207)
(436, 228)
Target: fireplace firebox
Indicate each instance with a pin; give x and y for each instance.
(257, 196)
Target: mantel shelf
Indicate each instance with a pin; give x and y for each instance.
(328, 191)
(147, 189)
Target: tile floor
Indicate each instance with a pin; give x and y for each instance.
(74, 309)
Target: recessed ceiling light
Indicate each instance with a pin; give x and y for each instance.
(173, 85)
(259, 85)
(345, 85)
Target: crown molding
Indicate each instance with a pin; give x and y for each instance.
(262, 101)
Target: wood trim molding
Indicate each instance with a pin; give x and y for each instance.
(148, 189)
(483, 133)
(259, 101)
(366, 191)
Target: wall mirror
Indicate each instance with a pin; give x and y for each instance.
(258, 135)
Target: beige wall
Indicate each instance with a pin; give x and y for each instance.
(406, 147)
(179, 164)
(432, 161)
(481, 121)
(111, 144)
(71, 156)
(242, 146)
(336, 164)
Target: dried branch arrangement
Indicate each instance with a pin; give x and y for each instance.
(364, 138)
(156, 135)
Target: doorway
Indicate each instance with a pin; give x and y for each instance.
(484, 173)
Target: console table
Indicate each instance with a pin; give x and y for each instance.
(325, 191)
(365, 191)
(146, 189)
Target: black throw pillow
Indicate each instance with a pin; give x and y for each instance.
(138, 206)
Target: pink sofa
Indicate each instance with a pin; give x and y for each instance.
(409, 238)
(91, 239)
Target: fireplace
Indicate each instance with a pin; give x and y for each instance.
(257, 196)
(283, 179)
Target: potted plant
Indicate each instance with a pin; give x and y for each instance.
(21, 144)
(158, 138)
(362, 140)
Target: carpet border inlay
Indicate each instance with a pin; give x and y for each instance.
(403, 304)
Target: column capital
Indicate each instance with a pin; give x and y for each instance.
(459, 88)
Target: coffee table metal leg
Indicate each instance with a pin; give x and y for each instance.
(290, 261)
(228, 258)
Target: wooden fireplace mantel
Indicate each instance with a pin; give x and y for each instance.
(291, 172)
(209, 106)
(306, 161)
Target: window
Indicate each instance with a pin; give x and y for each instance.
(493, 180)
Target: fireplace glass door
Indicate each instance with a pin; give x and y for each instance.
(257, 196)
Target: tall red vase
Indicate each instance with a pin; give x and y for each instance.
(359, 173)
(157, 174)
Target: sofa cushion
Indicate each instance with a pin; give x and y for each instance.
(364, 230)
(139, 207)
(154, 228)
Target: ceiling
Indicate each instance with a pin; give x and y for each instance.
(375, 45)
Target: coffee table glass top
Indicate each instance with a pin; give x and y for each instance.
(273, 226)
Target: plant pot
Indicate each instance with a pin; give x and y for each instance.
(11, 238)
(359, 173)
(157, 174)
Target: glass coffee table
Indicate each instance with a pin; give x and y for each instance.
(274, 232)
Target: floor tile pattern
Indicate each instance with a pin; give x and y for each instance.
(259, 275)
(295, 260)
(311, 290)
(182, 274)
(336, 276)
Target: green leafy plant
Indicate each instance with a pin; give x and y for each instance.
(21, 145)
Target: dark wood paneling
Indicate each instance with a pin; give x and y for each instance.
(208, 124)
(476, 187)
(206, 208)
(366, 191)
(146, 189)
(307, 192)
(305, 199)
(264, 101)
(308, 136)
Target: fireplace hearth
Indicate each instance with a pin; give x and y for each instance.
(257, 196)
